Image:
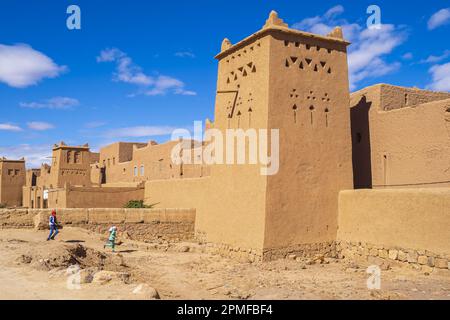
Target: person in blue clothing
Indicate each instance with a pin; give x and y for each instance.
(112, 238)
(53, 227)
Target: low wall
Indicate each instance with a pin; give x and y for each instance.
(94, 197)
(16, 218)
(138, 224)
(406, 225)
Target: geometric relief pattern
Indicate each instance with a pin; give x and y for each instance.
(241, 72)
(311, 105)
(307, 64)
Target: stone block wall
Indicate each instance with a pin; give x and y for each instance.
(326, 249)
(16, 218)
(241, 254)
(389, 256)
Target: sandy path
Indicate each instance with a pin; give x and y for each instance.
(198, 275)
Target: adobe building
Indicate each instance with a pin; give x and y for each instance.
(400, 137)
(70, 165)
(79, 178)
(131, 163)
(12, 179)
(297, 82)
(67, 183)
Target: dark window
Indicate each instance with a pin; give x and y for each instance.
(77, 157)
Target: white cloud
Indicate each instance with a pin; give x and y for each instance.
(34, 155)
(22, 66)
(435, 59)
(319, 24)
(441, 77)
(438, 19)
(128, 72)
(366, 55)
(95, 124)
(185, 92)
(9, 127)
(163, 84)
(140, 131)
(407, 56)
(185, 54)
(53, 103)
(40, 126)
(110, 55)
(335, 11)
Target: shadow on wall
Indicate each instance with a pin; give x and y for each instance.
(361, 152)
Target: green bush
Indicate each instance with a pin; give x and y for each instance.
(2, 205)
(138, 204)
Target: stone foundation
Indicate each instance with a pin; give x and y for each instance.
(360, 253)
(386, 256)
(236, 253)
(327, 249)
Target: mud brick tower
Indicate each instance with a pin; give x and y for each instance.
(297, 82)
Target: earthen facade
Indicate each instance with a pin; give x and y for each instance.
(12, 179)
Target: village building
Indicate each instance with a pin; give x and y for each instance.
(132, 163)
(401, 137)
(79, 178)
(70, 166)
(12, 179)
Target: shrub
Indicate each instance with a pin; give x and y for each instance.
(138, 204)
(2, 205)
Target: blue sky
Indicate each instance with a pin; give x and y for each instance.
(138, 69)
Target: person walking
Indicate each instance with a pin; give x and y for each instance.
(112, 238)
(53, 226)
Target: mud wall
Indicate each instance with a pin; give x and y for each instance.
(407, 218)
(139, 224)
(16, 218)
(86, 197)
(398, 140)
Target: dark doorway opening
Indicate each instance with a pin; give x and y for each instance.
(361, 151)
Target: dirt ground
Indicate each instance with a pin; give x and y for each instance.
(32, 268)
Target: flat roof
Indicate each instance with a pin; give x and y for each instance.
(71, 147)
(8, 160)
(275, 28)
